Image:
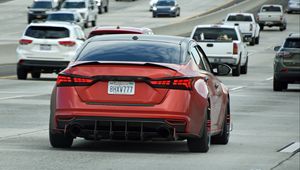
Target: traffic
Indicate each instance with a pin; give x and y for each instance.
(109, 85)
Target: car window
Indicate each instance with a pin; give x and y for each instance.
(292, 43)
(43, 32)
(271, 9)
(73, 5)
(141, 51)
(239, 18)
(60, 17)
(215, 34)
(42, 4)
(197, 58)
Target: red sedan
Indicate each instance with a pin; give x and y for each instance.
(139, 87)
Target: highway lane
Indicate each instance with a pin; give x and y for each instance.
(263, 122)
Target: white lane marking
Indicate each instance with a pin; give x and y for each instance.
(237, 88)
(270, 78)
(20, 96)
(291, 148)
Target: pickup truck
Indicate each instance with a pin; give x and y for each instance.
(223, 44)
(247, 24)
(272, 15)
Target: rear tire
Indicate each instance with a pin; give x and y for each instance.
(106, 9)
(223, 137)
(200, 144)
(278, 85)
(86, 25)
(257, 40)
(252, 42)
(36, 74)
(21, 73)
(60, 140)
(237, 71)
(94, 23)
(99, 10)
(244, 68)
(261, 27)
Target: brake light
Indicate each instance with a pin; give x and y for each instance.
(67, 80)
(67, 43)
(177, 83)
(25, 41)
(235, 48)
(257, 18)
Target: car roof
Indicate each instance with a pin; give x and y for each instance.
(216, 26)
(68, 25)
(120, 28)
(240, 13)
(141, 37)
(276, 5)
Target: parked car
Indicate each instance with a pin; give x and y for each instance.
(47, 47)
(293, 6)
(86, 8)
(166, 7)
(140, 87)
(223, 44)
(287, 63)
(272, 15)
(247, 24)
(66, 16)
(152, 3)
(102, 5)
(104, 30)
(39, 10)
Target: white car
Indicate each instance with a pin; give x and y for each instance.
(223, 44)
(66, 16)
(247, 24)
(272, 15)
(86, 8)
(152, 3)
(47, 47)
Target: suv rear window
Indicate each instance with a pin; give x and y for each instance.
(43, 32)
(292, 43)
(42, 4)
(215, 34)
(239, 18)
(140, 51)
(73, 5)
(271, 9)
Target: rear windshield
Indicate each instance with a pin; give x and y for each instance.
(131, 51)
(42, 4)
(271, 9)
(215, 34)
(165, 3)
(292, 43)
(73, 5)
(239, 18)
(43, 32)
(60, 17)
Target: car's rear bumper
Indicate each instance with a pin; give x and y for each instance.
(271, 23)
(43, 65)
(290, 76)
(232, 61)
(165, 13)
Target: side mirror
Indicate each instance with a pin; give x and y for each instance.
(28, 7)
(222, 70)
(276, 48)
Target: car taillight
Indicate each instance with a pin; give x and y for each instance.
(176, 83)
(67, 43)
(67, 80)
(257, 18)
(235, 48)
(25, 41)
(251, 27)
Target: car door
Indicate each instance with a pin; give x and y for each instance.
(216, 93)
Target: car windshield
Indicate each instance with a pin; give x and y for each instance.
(215, 34)
(42, 4)
(60, 17)
(165, 3)
(44, 32)
(129, 51)
(271, 9)
(239, 18)
(73, 5)
(292, 43)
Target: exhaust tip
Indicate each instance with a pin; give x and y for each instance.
(164, 132)
(75, 130)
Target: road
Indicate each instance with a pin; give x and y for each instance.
(263, 122)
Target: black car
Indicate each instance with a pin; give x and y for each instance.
(166, 7)
(38, 10)
(287, 63)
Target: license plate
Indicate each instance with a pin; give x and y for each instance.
(121, 87)
(45, 47)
